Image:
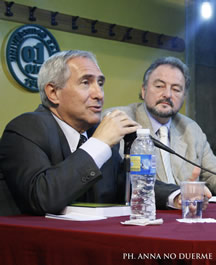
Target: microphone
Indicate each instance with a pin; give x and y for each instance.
(128, 140)
(160, 145)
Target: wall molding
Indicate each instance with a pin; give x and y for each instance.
(11, 11)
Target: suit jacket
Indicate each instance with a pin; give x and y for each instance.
(7, 203)
(187, 139)
(44, 176)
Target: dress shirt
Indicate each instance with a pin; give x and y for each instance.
(98, 150)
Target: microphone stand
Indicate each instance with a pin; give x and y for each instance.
(127, 173)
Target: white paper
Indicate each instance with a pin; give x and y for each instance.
(143, 222)
(201, 220)
(212, 199)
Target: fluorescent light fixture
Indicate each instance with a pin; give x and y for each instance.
(206, 9)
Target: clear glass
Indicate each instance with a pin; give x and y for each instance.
(192, 193)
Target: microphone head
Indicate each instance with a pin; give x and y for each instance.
(128, 140)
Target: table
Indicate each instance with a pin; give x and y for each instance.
(36, 240)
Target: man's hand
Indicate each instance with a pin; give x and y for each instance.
(114, 127)
(207, 192)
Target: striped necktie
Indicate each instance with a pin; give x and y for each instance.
(166, 155)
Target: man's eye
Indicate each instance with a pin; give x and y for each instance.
(176, 89)
(85, 82)
(100, 82)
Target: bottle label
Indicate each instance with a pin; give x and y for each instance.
(143, 164)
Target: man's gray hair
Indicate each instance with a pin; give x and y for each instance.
(55, 71)
(172, 61)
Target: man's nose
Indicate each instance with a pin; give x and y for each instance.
(97, 91)
(167, 92)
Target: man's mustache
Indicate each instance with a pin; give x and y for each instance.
(165, 101)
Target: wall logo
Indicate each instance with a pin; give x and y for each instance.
(27, 48)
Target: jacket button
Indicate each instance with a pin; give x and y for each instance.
(84, 179)
(92, 173)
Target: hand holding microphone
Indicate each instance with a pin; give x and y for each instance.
(114, 126)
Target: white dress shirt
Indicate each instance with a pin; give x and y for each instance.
(98, 150)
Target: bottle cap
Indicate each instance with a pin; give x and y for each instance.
(143, 132)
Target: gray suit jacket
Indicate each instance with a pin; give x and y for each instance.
(187, 139)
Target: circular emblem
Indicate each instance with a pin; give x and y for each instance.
(27, 48)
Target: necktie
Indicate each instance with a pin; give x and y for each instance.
(82, 140)
(166, 155)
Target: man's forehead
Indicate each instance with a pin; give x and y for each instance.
(84, 65)
(167, 71)
(163, 68)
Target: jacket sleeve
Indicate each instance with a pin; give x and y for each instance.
(162, 192)
(208, 161)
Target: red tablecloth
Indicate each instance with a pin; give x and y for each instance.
(30, 240)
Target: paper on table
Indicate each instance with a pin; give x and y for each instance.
(201, 220)
(75, 217)
(143, 222)
(212, 199)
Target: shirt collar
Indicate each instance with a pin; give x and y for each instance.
(70, 133)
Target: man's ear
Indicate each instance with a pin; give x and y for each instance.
(51, 93)
(143, 90)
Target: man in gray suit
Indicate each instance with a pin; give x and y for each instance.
(164, 88)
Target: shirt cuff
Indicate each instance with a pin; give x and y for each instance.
(171, 199)
(98, 150)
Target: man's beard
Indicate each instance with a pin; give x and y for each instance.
(155, 112)
(162, 114)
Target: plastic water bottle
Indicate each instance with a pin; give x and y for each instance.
(143, 175)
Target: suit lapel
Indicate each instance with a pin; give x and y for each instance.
(60, 135)
(63, 142)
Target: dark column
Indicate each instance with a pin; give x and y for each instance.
(201, 58)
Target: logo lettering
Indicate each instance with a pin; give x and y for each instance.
(27, 48)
